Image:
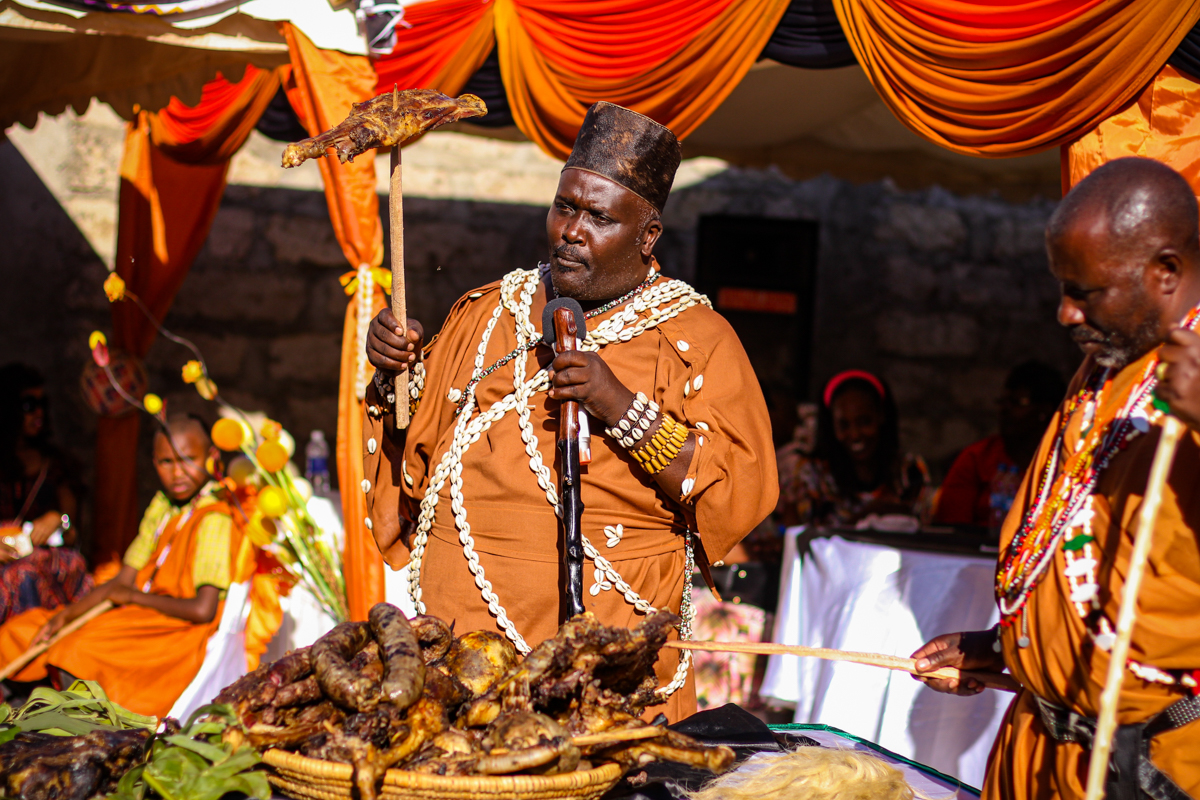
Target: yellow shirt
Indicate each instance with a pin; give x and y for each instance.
(211, 567)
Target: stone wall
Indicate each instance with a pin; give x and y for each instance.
(940, 294)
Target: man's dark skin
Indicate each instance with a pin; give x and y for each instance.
(1127, 259)
(601, 238)
(180, 463)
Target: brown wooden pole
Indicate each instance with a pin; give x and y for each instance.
(994, 680)
(399, 301)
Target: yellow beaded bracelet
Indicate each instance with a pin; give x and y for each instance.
(663, 447)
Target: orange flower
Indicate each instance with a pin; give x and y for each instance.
(272, 502)
(114, 287)
(271, 429)
(271, 456)
(192, 371)
(206, 388)
(228, 434)
(152, 403)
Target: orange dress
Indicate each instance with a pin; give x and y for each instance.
(692, 365)
(142, 658)
(1062, 665)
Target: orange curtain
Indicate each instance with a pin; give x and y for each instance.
(1163, 123)
(447, 43)
(1011, 77)
(673, 61)
(172, 179)
(322, 85)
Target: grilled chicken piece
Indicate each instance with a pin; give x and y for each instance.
(525, 741)
(389, 120)
(480, 659)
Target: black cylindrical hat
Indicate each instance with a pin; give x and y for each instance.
(629, 149)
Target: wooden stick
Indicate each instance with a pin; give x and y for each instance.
(399, 304)
(19, 663)
(1106, 723)
(994, 680)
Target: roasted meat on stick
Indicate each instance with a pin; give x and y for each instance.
(389, 120)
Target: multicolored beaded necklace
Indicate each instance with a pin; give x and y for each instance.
(521, 349)
(1062, 512)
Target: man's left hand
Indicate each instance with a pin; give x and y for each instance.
(584, 377)
(1179, 382)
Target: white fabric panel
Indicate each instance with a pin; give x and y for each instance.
(873, 598)
(224, 655)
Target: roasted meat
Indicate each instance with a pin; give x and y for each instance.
(434, 636)
(389, 120)
(342, 683)
(403, 664)
(525, 741)
(38, 766)
(479, 659)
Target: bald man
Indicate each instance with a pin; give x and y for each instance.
(1125, 248)
(168, 594)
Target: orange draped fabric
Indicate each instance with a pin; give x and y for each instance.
(447, 43)
(322, 85)
(1011, 77)
(172, 179)
(550, 90)
(674, 61)
(1163, 123)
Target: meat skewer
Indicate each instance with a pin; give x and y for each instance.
(389, 120)
(993, 680)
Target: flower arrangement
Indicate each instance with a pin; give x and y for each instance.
(263, 481)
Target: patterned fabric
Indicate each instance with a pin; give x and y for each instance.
(211, 566)
(725, 677)
(48, 577)
(810, 489)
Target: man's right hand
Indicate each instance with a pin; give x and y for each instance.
(972, 650)
(391, 350)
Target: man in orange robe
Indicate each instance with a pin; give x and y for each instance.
(1125, 247)
(474, 476)
(168, 593)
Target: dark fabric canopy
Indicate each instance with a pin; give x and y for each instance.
(1187, 56)
(810, 36)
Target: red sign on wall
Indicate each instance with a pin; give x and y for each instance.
(761, 300)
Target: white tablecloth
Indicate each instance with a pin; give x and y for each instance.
(854, 596)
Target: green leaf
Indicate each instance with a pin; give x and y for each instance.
(211, 752)
(1160, 404)
(54, 722)
(1078, 542)
(8, 733)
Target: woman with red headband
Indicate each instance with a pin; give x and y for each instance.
(858, 468)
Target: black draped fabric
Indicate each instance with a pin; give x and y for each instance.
(279, 121)
(487, 85)
(1187, 56)
(810, 36)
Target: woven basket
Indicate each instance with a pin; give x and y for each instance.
(313, 779)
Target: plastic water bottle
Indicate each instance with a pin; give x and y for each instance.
(316, 456)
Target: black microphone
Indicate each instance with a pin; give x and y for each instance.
(548, 317)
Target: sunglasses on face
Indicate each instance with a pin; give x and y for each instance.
(30, 403)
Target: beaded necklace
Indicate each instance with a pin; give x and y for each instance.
(1062, 512)
(525, 347)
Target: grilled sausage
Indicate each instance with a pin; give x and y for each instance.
(403, 664)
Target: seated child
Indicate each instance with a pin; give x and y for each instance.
(168, 594)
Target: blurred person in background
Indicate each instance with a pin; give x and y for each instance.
(39, 499)
(981, 484)
(857, 467)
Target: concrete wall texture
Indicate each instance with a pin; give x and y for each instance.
(938, 293)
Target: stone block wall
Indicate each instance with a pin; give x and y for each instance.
(940, 294)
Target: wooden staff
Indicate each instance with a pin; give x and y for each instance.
(994, 680)
(1106, 723)
(399, 302)
(19, 663)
